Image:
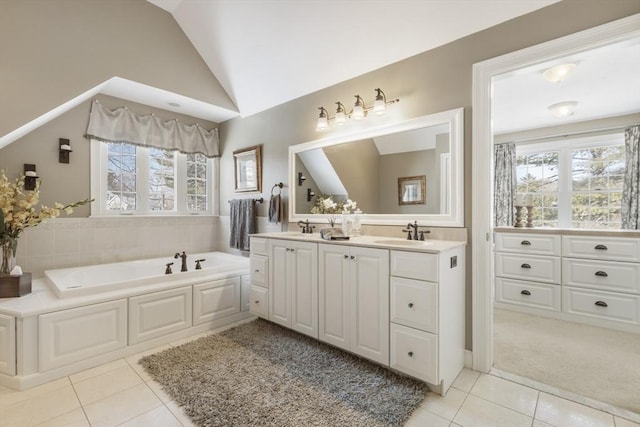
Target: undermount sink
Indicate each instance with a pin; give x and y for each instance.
(402, 242)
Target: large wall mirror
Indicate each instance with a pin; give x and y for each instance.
(368, 166)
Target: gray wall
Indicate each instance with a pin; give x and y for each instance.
(402, 165)
(52, 51)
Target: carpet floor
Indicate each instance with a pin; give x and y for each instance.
(260, 374)
(599, 363)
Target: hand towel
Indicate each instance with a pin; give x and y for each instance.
(243, 223)
(275, 209)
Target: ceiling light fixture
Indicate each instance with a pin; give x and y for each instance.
(559, 72)
(563, 109)
(358, 112)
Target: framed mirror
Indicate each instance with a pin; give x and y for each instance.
(371, 166)
(247, 165)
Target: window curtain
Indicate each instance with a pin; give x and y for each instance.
(631, 188)
(504, 187)
(122, 125)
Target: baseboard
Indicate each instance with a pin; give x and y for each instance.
(468, 359)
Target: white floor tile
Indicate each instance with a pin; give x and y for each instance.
(106, 384)
(98, 370)
(561, 412)
(621, 422)
(538, 423)
(75, 418)
(506, 393)
(477, 412)
(179, 414)
(188, 339)
(156, 388)
(9, 397)
(40, 408)
(422, 417)
(466, 379)
(122, 407)
(447, 406)
(159, 417)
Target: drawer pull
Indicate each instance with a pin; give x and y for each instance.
(602, 274)
(601, 304)
(410, 354)
(525, 292)
(525, 266)
(601, 247)
(257, 271)
(346, 257)
(352, 257)
(257, 302)
(410, 305)
(525, 243)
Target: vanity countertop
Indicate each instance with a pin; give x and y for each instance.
(429, 246)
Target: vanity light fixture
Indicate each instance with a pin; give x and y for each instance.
(358, 112)
(64, 148)
(301, 179)
(559, 72)
(563, 109)
(310, 194)
(30, 177)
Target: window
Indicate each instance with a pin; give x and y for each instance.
(128, 179)
(575, 183)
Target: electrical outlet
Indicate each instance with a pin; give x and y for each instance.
(454, 261)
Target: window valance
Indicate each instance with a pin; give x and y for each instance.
(122, 125)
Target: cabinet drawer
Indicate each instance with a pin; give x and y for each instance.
(414, 265)
(537, 244)
(159, 313)
(259, 269)
(606, 248)
(414, 303)
(258, 245)
(259, 302)
(415, 353)
(538, 295)
(607, 275)
(212, 301)
(528, 267)
(605, 305)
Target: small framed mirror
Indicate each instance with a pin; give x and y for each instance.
(247, 164)
(411, 190)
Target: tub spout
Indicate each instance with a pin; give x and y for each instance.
(184, 260)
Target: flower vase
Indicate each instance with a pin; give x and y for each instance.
(8, 259)
(347, 224)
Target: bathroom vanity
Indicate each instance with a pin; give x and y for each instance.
(581, 276)
(397, 302)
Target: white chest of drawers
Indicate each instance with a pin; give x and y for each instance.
(586, 278)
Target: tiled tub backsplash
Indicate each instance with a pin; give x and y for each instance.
(68, 242)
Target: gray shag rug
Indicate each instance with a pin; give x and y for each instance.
(260, 374)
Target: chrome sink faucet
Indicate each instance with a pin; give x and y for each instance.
(184, 260)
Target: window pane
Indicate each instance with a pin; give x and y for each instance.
(196, 183)
(161, 180)
(121, 177)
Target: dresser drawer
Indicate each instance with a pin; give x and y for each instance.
(528, 267)
(605, 305)
(414, 352)
(606, 275)
(536, 244)
(606, 248)
(258, 245)
(414, 303)
(259, 270)
(414, 265)
(259, 302)
(538, 295)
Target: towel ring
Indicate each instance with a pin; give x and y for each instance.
(279, 185)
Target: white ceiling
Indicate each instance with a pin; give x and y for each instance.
(268, 52)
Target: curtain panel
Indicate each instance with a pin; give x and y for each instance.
(122, 125)
(631, 188)
(504, 190)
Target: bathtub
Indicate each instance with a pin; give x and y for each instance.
(95, 279)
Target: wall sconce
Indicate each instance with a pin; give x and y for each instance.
(64, 148)
(30, 177)
(358, 112)
(301, 179)
(310, 194)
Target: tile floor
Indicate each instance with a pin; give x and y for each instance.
(120, 393)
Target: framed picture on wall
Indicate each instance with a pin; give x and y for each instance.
(411, 190)
(247, 165)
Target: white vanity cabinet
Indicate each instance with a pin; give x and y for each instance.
(7, 344)
(354, 299)
(215, 300)
(259, 277)
(293, 285)
(159, 313)
(427, 307)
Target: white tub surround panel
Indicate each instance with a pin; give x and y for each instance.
(396, 302)
(582, 276)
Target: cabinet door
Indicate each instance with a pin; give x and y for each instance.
(212, 301)
(159, 313)
(7, 344)
(304, 287)
(334, 295)
(279, 299)
(370, 303)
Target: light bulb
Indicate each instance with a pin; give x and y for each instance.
(341, 117)
(380, 104)
(323, 120)
(358, 109)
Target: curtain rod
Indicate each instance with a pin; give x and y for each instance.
(566, 135)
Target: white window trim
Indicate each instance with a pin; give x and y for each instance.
(98, 174)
